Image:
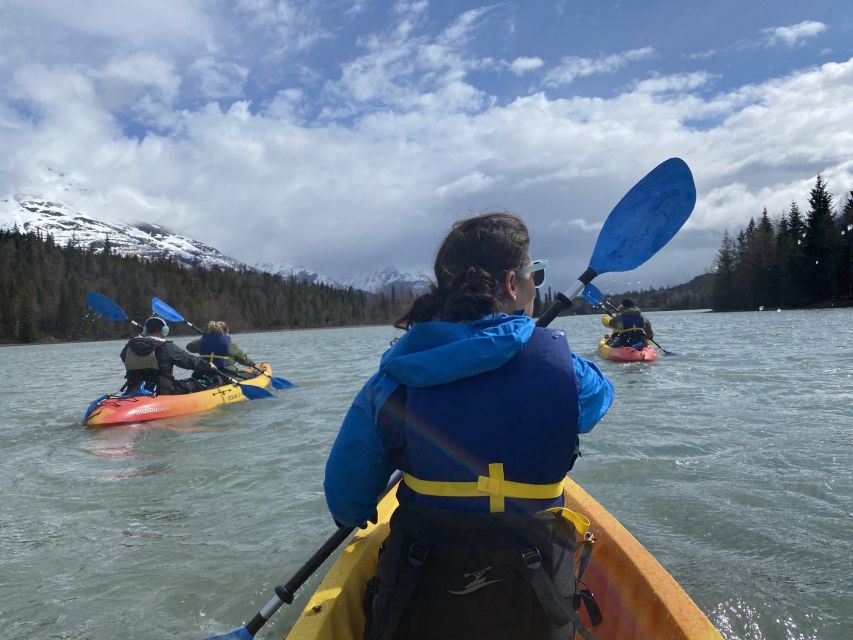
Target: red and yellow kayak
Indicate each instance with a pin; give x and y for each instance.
(626, 354)
(638, 599)
(112, 410)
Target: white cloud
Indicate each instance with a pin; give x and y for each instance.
(408, 141)
(218, 79)
(146, 70)
(572, 67)
(522, 65)
(337, 198)
(794, 34)
(679, 82)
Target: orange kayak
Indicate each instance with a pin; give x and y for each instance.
(638, 599)
(112, 410)
(626, 354)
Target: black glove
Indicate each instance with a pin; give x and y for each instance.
(373, 519)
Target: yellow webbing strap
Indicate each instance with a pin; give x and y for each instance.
(494, 485)
(212, 356)
(580, 521)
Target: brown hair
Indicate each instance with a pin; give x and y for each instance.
(470, 266)
(217, 326)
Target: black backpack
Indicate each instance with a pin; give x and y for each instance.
(496, 576)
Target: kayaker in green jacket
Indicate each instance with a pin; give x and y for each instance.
(216, 346)
(150, 360)
(630, 327)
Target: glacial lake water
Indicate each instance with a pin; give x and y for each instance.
(732, 462)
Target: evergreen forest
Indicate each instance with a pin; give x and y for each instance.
(43, 290)
(794, 261)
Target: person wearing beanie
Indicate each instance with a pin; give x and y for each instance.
(150, 360)
(630, 327)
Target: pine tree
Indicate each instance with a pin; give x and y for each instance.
(845, 273)
(822, 243)
(724, 293)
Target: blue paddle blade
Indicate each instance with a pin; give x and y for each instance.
(165, 311)
(281, 383)
(646, 218)
(105, 306)
(237, 634)
(255, 393)
(592, 294)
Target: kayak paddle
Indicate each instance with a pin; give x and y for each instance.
(593, 295)
(644, 220)
(169, 313)
(111, 311)
(284, 594)
(108, 308)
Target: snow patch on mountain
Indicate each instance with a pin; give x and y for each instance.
(148, 241)
(392, 279)
(299, 274)
(151, 242)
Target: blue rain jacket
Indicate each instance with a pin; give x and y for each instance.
(432, 353)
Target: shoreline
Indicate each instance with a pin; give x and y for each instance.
(53, 341)
(841, 304)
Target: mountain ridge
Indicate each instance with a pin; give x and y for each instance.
(152, 242)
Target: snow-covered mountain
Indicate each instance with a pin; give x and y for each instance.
(147, 241)
(298, 273)
(389, 279)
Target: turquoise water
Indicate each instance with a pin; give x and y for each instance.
(732, 462)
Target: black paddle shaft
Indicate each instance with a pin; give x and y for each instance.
(562, 301)
(286, 592)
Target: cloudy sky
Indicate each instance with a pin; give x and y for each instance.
(347, 135)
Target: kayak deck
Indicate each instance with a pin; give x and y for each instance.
(626, 354)
(638, 598)
(115, 410)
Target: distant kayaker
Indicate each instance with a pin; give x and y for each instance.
(217, 341)
(481, 410)
(150, 359)
(631, 328)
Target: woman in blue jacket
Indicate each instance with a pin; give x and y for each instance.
(481, 410)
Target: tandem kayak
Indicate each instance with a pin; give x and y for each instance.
(626, 354)
(111, 410)
(638, 599)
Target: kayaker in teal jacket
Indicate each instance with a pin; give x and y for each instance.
(481, 410)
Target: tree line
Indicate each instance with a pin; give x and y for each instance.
(43, 290)
(792, 261)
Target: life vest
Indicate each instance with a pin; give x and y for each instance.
(632, 319)
(215, 344)
(141, 365)
(501, 441)
(495, 447)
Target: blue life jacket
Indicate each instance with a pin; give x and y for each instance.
(517, 423)
(632, 321)
(215, 344)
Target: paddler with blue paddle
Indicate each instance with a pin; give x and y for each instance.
(481, 410)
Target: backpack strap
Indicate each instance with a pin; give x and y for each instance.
(407, 582)
(560, 609)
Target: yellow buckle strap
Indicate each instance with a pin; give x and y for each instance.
(494, 486)
(580, 521)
